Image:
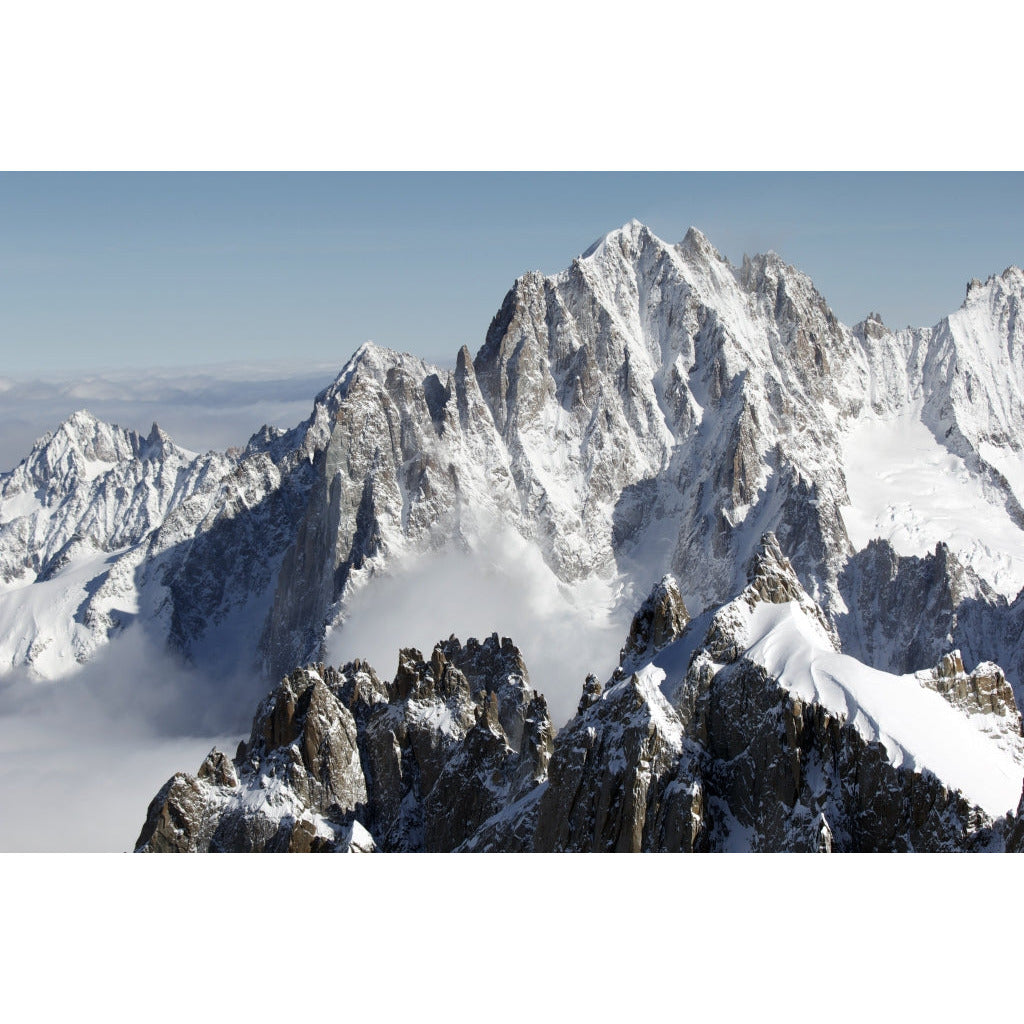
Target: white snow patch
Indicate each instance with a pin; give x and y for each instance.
(918, 728)
(649, 681)
(43, 617)
(908, 489)
(25, 503)
(433, 715)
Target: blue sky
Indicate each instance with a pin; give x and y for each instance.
(112, 270)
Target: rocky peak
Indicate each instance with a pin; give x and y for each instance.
(484, 661)
(592, 690)
(370, 368)
(772, 579)
(627, 241)
(661, 619)
(950, 666)
(787, 294)
(297, 785)
(872, 327)
(419, 763)
(158, 444)
(770, 576)
(368, 358)
(79, 438)
(411, 673)
(997, 288)
(157, 435)
(83, 448)
(219, 770)
(706, 267)
(80, 423)
(766, 268)
(423, 680)
(695, 241)
(487, 714)
(984, 691)
(494, 670)
(464, 364)
(610, 779)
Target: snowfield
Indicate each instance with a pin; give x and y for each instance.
(910, 490)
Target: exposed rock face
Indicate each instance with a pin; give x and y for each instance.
(339, 761)
(296, 785)
(984, 691)
(616, 782)
(412, 460)
(701, 747)
(784, 776)
(905, 611)
(1014, 829)
(771, 579)
(660, 620)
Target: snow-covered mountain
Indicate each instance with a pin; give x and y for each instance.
(650, 409)
(744, 729)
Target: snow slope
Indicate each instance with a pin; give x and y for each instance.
(913, 492)
(918, 727)
(42, 626)
(977, 750)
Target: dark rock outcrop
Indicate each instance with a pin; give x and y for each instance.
(660, 620)
(698, 747)
(338, 760)
(984, 691)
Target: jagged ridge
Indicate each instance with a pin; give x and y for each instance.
(712, 743)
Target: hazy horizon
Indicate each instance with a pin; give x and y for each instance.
(120, 270)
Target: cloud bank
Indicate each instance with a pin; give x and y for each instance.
(501, 585)
(209, 409)
(81, 758)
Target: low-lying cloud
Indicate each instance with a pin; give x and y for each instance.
(80, 758)
(210, 409)
(501, 586)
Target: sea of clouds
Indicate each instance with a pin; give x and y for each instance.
(212, 408)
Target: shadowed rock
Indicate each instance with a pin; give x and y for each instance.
(660, 620)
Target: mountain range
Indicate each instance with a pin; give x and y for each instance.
(651, 423)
